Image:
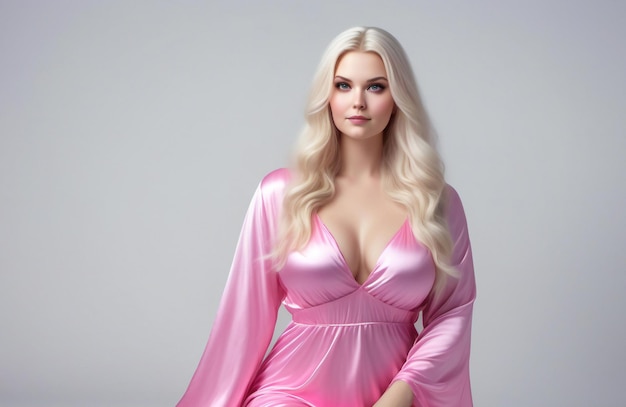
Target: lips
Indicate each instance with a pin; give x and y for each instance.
(358, 120)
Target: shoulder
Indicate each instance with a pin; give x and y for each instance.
(273, 185)
(454, 212)
(452, 199)
(276, 179)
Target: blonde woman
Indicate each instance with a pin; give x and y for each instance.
(356, 241)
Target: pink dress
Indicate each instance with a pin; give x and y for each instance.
(347, 342)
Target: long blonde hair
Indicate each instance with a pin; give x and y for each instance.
(412, 172)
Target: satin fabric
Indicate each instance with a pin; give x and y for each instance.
(347, 342)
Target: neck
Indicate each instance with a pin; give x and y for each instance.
(361, 158)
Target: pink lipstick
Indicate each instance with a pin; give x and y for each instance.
(358, 119)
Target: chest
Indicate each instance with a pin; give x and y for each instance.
(317, 274)
(362, 223)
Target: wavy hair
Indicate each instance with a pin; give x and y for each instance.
(412, 172)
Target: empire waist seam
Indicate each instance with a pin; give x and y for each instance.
(352, 324)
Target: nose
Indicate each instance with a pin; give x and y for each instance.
(359, 100)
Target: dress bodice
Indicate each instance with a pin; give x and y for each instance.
(318, 275)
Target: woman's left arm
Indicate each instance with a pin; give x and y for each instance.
(437, 367)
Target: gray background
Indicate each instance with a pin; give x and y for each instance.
(133, 134)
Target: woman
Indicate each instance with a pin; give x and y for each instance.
(356, 241)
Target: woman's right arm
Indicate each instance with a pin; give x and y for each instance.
(245, 322)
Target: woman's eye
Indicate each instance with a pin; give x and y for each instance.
(376, 88)
(342, 86)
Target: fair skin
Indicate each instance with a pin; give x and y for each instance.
(361, 217)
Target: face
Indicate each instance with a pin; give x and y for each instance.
(361, 103)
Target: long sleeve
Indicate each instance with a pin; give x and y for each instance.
(248, 309)
(437, 366)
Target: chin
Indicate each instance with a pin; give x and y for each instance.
(358, 136)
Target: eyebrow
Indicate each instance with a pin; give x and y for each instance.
(378, 78)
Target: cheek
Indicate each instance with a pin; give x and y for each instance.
(384, 107)
(337, 107)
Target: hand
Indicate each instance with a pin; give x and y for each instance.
(399, 394)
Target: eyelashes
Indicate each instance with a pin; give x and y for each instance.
(374, 87)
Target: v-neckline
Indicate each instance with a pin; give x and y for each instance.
(343, 258)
